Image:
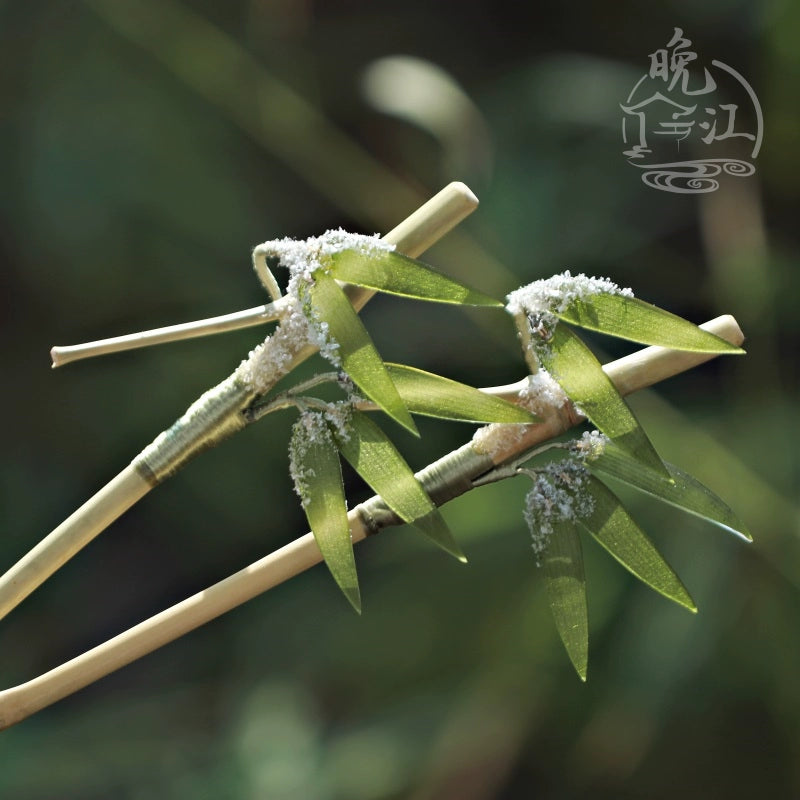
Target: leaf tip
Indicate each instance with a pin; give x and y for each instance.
(406, 420)
(353, 596)
(454, 550)
(686, 601)
(451, 547)
(580, 663)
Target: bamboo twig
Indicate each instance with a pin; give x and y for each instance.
(421, 230)
(213, 417)
(446, 478)
(250, 317)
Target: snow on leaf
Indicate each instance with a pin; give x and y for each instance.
(316, 472)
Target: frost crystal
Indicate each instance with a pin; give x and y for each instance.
(590, 446)
(541, 395)
(553, 295)
(539, 303)
(310, 428)
(300, 327)
(273, 358)
(556, 496)
(338, 416)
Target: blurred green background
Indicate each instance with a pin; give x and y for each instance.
(146, 147)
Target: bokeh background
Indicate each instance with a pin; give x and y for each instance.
(145, 148)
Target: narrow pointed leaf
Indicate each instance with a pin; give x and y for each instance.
(359, 357)
(614, 528)
(581, 376)
(398, 274)
(435, 396)
(378, 462)
(562, 564)
(318, 480)
(633, 319)
(684, 491)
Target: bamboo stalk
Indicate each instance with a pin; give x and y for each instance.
(215, 415)
(447, 478)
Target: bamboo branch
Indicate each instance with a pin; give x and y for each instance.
(260, 315)
(214, 416)
(421, 230)
(446, 478)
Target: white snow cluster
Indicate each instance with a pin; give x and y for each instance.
(540, 395)
(536, 308)
(554, 295)
(299, 326)
(267, 363)
(303, 256)
(590, 446)
(310, 428)
(556, 496)
(338, 415)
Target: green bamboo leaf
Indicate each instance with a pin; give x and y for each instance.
(614, 528)
(317, 473)
(359, 357)
(633, 319)
(562, 563)
(581, 376)
(377, 461)
(684, 491)
(435, 396)
(391, 272)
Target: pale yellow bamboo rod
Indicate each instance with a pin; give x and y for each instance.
(250, 317)
(21, 701)
(431, 221)
(663, 362)
(93, 517)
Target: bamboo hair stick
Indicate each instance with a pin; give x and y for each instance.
(449, 477)
(213, 417)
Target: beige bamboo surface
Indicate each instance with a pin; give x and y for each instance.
(260, 315)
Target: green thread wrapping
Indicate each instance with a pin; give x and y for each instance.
(445, 479)
(213, 417)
